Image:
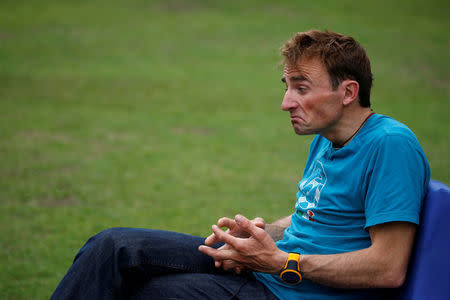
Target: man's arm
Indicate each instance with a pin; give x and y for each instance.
(383, 264)
(276, 229)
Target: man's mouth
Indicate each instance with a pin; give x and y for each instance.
(295, 118)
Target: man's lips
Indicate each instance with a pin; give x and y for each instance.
(296, 118)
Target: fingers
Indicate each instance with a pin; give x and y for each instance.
(238, 230)
(222, 222)
(241, 239)
(259, 222)
(211, 240)
(226, 222)
(217, 255)
(228, 265)
(231, 265)
(231, 223)
(225, 237)
(238, 270)
(224, 252)
(248, 226)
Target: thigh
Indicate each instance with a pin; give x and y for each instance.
(156, 252)
(118, 260)
(203, 286)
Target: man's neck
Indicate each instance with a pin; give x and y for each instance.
(348, 126)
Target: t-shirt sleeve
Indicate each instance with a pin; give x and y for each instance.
(397, 180)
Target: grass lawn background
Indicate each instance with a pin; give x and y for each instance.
(166, 114)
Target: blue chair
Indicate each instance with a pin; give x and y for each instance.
(428, 274)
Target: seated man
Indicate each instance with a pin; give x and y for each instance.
(358, 204)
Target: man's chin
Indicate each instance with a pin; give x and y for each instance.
(301, 131)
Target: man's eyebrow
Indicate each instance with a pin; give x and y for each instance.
(296, 78)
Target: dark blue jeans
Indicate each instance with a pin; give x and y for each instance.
(126, 263)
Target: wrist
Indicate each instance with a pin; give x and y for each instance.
(280, 262)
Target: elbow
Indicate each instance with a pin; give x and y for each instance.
(391, 272)
(393, 278)
(395, 282)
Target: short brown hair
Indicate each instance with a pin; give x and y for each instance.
(342, 56)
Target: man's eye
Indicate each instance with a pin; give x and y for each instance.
(302, 89)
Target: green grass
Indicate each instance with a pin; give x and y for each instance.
(166, 114)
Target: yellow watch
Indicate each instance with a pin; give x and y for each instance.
(290, 274)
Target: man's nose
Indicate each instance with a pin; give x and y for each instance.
(288, 103)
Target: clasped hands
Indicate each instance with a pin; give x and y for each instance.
(247, 246)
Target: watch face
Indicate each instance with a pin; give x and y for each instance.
(290, 276)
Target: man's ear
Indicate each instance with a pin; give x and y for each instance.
(351, 91)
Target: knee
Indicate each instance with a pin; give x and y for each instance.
(102, 242)
(110, 235)
(106, 239)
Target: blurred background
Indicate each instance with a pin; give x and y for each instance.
(166, 114)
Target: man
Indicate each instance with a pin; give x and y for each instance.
(355, 217)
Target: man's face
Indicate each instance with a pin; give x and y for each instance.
(313, 104)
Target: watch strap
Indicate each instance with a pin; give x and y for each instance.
(291, 272)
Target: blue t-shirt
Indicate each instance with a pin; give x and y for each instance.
(380, 176)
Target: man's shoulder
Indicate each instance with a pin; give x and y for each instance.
(392, 140)
(384, 128)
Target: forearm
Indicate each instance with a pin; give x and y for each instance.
(347, 270)
(382, 265)
(276, 229)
